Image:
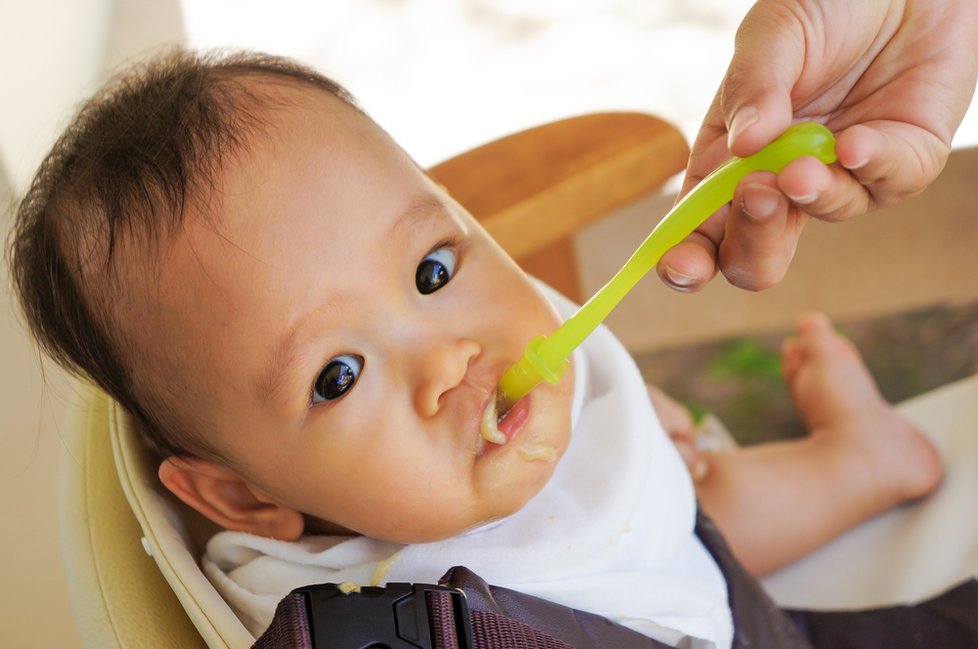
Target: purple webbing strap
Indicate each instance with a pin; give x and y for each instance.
(290, 626)
(441, 617)
(489, 630)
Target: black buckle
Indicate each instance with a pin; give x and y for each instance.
(392, 617)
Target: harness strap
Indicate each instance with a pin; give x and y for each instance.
(461, 612)
(489, 629)
(444, 625)
(290, 626)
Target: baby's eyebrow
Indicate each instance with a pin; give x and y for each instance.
(282, 358)
(421, 210)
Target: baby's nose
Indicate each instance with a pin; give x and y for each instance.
(441, 367)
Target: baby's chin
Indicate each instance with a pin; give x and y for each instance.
(429, 534)
(507, 500)
(519, 475)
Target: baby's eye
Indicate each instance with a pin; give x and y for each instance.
(337, 378)
(435, 270)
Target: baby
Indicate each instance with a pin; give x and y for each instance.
(309, 331)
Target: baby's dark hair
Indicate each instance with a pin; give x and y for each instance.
(151, 141)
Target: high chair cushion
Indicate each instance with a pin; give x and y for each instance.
(131, 549)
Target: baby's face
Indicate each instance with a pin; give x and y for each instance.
(342, 325)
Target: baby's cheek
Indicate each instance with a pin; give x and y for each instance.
(513, 484)
(517, 472)
(537, 450)
(548, 442)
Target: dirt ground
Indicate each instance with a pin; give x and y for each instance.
(739, 379)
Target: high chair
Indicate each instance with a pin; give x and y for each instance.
(131, 550)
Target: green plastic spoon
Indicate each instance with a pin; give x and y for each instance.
(546, 357)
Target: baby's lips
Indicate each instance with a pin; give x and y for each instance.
(513, 421)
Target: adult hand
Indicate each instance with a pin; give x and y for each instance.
(892, 79)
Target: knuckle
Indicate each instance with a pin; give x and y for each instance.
(837, 215)
(755, 278)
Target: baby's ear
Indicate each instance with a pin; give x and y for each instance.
(226, 498)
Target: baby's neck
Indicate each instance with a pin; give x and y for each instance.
(319, 526)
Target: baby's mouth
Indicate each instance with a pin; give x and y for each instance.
(532, 450)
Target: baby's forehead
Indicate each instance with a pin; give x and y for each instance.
(287, 102)
(316, 168)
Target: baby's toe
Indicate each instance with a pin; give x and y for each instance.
(822, 339)
(792, 358)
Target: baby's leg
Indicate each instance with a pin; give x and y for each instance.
(776, 502)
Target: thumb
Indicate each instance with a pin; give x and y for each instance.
(755, 95)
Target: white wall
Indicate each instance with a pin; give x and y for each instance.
(34, 609)
(50, 52)
(53, 53)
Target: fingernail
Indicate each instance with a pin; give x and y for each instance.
(679, 280)
(760, 201)
(700, 470)
(743, 118)
(806, 199)
(859, 164)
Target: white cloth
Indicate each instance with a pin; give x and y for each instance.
(611, 533)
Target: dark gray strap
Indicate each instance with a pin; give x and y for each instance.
(948, 621)
(758, 622)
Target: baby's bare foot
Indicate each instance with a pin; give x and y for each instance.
(839, 401)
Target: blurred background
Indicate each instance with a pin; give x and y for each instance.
(441, 76)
